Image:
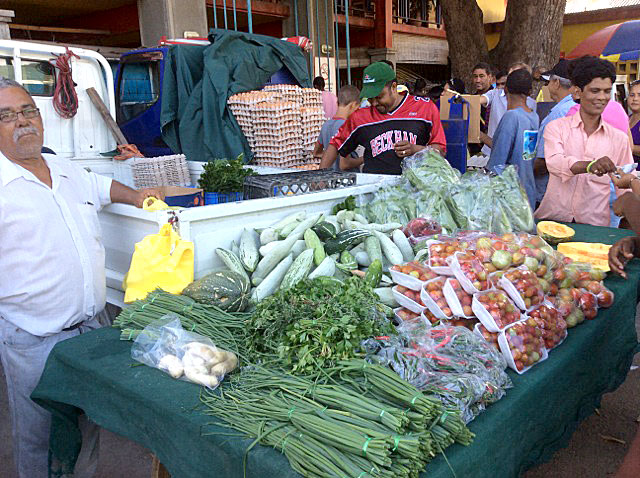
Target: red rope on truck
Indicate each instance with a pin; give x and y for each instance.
(65, 98)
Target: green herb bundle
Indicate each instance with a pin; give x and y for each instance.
(314, 324)
(224, 176)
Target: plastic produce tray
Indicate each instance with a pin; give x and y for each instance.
(289, 184)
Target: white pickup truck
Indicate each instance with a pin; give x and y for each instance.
(85, 136)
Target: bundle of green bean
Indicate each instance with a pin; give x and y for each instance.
(225, 329)
(334, 429)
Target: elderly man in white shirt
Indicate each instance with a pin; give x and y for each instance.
(52, 277)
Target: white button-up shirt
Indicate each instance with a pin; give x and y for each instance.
(52, 270)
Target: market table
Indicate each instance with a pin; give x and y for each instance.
(94, 373)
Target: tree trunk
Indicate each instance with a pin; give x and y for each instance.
(532, 32)
(465, 34)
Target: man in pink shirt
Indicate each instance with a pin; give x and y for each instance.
(581, 150)
(329, 100)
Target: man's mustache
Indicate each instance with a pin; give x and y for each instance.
(20, 132)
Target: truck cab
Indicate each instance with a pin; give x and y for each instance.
(83, 137)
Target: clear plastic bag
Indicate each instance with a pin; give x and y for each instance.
(470, 271)
(184, 355)
(553, 326)
(411, 275)
(513, 199)
(522, 286)
(458, 299)
(433, 204)
(421, 229)
(408, 298)
(391, 204)
(522, 345)
(495, 310)
(432, 296)
(475, 200)
(429, 170)
(490, 337)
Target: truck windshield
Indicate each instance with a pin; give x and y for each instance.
(138, 89)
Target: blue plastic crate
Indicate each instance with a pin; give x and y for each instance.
(456, 130)
(221, 198)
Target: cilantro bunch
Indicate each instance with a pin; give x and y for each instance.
(224, 176)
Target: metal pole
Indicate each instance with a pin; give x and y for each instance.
(235, 18)
(250, 18)
(215, 15)
(318, 46)
(225, 15)
(295, 15)
(326, 24)
(337, 53)
(346, 11)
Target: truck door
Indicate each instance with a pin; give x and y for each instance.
(138, 99)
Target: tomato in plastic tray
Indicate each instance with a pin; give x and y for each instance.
(553, 326)
(420, 228)
(470, 271)
(523, 287)
(412, 275)
(407, 298)
(404, 315)
(439, 251)
(432, 296)
(429, 317)
(494, 309)
(522, 345)
(459, 301)
(587, 302)
(567, 307)
(462, 322)
(605, 296)
(490, 337)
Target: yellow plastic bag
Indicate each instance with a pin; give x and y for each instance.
(160, 260)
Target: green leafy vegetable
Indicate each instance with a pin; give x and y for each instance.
(224, 176)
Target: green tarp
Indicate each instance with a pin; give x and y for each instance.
(199, 79)
(94, 372)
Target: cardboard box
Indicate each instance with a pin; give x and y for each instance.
(183, 197)
(474, 122)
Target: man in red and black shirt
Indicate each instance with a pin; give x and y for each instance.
(395, 126)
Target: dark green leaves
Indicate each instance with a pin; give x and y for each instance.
(224, 176)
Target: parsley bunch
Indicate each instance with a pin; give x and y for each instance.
(316, 323)
(224, 176)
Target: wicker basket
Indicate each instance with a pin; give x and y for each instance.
(141, 173)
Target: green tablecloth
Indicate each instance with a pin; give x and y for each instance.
(95, 373)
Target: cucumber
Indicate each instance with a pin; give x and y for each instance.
(374, 274)
(360, 218)
(275, 255)
(347, 259)
(325, 230)
(288, 229)
(386, 281)
(270, 284)
(402, 243)
(235, 249)
(362, 258)
(296, 217)
(329, 280)
(299, 270)
(306, 224)
(344, 240)
(268, 235)
(372, 246)
(313, 242)
(267, 248)
(232, 262)
(391, 251)
(384, 228)
(385, 294)
(326, 269)
(357, 248)
(248, 250)
(298, 248)
(422, 254)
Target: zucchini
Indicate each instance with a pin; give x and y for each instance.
(357, 248)
(288, 229)
(296, 217)
(374, 274)
(402, 243)
(385, 294)
(248, 250)
(326, 269)
(362, 258)
(391, 251)
(325, 230)
(271, 283)
(372, 246)
(232, 262)
(299, 270)
(267, 248)
(313, 242)
(268, 235)
(306, 224)
(279, 252)
(360, 218)
(344, 240)
(298, 248)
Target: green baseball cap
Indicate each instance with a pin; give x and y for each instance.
(374, 77)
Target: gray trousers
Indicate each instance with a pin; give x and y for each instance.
(23, 358)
